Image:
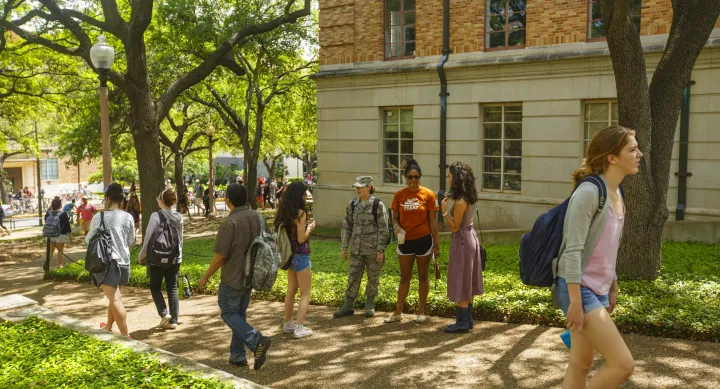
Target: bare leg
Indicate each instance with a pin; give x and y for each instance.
(599, 329)
(304, 279)
(581, 358)
(118, 309)
(290, 295)
(424, 283)
(61, 249)
(406, 266)
(52, 252)
(110, 320)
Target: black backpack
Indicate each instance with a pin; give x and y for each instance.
(164, 247)
(375, 206)
(99, 251)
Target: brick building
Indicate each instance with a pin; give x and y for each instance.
(530, 81)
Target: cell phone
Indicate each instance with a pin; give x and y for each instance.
(565, 336)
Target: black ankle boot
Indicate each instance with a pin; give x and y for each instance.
(461, 325)
(470, 315)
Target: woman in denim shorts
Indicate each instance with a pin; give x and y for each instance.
(586, 288)
(292, 216)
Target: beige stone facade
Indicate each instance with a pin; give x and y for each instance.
(561, 82)
(22, 171)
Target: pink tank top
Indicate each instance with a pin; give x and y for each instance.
(600, 271)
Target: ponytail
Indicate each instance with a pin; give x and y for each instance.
(581, 173)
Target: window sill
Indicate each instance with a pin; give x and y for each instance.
(399, 58)
(505, 48)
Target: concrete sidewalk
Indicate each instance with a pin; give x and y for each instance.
(365, 353)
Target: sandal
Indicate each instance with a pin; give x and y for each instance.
(393, 318)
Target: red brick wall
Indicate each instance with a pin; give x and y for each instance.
(353, 30)
(552, 22)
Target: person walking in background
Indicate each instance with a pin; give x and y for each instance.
(465, 278)
(279, 189)
(121, 227)
(267, 194)
(259, 193)
(87, 211)
(183, 204)
(65, 230)
(234, 236)
(206, 201)
(198, 196)
(292, 218)
(134, 208)
(3, 229)
(69, 208)
(415, 222)
(365, 234)
(168, 272)
(586, 285)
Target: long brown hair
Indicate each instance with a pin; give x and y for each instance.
(608, 141)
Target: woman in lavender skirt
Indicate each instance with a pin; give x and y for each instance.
(464, 269)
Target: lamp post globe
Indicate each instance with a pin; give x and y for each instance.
(102, 54)
(210, 130)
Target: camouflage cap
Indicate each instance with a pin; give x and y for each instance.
(363, 181)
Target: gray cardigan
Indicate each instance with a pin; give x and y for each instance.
(581, 231)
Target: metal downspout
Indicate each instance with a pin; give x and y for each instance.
(443, 100)
(683, 174)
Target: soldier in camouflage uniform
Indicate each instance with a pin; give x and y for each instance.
(367, 240)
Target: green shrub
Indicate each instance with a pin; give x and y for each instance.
(684, 302)
(39, 354)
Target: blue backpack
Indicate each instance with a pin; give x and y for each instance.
(540, 246)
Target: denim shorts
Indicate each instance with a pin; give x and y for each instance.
(590, 300)
(300, 262)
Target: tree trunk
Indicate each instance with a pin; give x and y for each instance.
(3, 175)
(179, 179)
(145, 125)
(250, 162)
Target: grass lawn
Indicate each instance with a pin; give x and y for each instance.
(684, 302)
(39, 354)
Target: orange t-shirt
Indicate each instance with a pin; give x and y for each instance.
(412, 209)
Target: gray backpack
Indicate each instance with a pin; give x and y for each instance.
(262, 260)
(52, 227)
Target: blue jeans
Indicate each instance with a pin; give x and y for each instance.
(233, 305)
(170, 274)
(300, 262)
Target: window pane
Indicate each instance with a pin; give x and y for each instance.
(409, 33)
(513, 148)
(513, 113)
(492, 114)
(492, 130)
(516, 38)
(391, 117)
(491, 165)
(513, 182)
(409, 49)
(496, 40)
(409, 4)
(614, 114)
(406, 116)
(404, 159)
(496, 6)
(491, 181)
(513, 165)
(393, 5)
(406, 131)
(406, 147)
(596, 112)
(391, 161)
(496, 23)
(635, 8)
(517, 20)
(592, 128)
(513, 130)
(394, 19)
(391, 176)
(516, 5)
(391, 131)
(492, 147)
(410, 17)
(596, 29)
(595, 11)
(391, 147)
(392, 50)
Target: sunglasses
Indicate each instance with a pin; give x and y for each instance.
(416, 177)
(160, 197)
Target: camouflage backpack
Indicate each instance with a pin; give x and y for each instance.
(262, 260)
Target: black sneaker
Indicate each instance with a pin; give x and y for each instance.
(242, 363)
(260, 351)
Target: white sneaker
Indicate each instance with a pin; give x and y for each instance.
(393, 318)
(301, 331)
(289, 327)
(169, 326)
(164, 320)
(420, 319)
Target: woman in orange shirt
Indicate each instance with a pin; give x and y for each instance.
(414, 215)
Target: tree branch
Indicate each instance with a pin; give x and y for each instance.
(203, 70)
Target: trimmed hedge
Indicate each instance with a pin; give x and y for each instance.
(684, 302)
(39, 354)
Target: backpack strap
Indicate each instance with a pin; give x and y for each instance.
(622, 191)
(375, 206)
(353, 204)
(602, 189)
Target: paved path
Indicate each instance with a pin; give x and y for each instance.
(365, 353)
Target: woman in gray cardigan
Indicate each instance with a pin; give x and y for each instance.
(586, 288)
